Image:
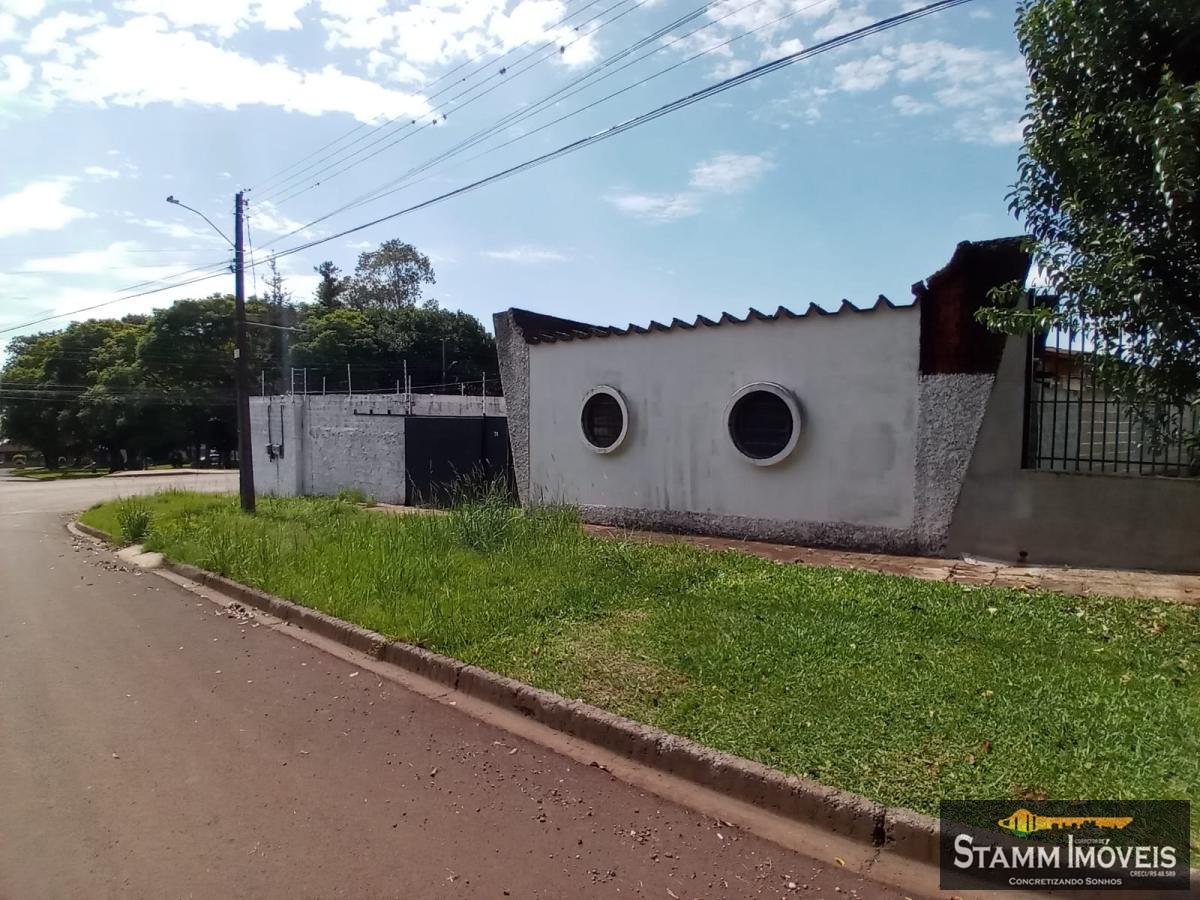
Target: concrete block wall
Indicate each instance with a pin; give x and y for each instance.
(849, 478)
(1043, 517)
(892, 400)
(911, 442)
(333, 442)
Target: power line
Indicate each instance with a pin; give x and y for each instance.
(521, 115)
(269, 179)
(250, 241)
(665, 109)
(284, 185)
(297, 190)
(122, 299)
(523, 112)
(605, 134)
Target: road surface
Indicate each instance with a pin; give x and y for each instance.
(151, 746)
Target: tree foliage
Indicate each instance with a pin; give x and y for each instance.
(382, 344)
(158, 386)
(391, 277)
(118, 391)
(1108, 188)
(331, 286)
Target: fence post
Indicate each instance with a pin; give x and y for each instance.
(349, 381)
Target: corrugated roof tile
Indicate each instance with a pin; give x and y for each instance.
(538, 328)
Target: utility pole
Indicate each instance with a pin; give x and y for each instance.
(242, 364)
(443, 364)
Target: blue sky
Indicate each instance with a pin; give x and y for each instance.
(848, 175)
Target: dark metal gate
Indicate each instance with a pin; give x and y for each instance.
(443, 454)
(1073, 425)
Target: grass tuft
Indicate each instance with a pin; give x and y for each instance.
(135, 519)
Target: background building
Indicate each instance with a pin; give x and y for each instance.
(394, 448)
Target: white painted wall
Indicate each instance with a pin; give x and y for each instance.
(336, 442)
(854, 374)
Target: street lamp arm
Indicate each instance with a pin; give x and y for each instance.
(171, 199)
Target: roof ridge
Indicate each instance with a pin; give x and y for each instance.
(538, 328)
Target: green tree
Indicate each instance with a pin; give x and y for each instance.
(1108, 188)
(390, 277)
(28, 409)
(186, 356)
(380, 344)
(50, 378)
(277, 294)
(331, 286)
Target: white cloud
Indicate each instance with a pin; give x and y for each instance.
(844, 19)
(266, 217)
(729, 173)
(119, 256)
(398, 70)
(725, 173)
(39, 206)
(863, 74)
(766, 18)
(436, 32)
(280, 15)
(983, 89)
(803, 103)
(910, 106)
(527, 255)
(655, 207)
(225, 17)
(48, 34)
(1006, 132)
(24, 9)
(8, 27)
(176, 230)
(114, 62)
(783, 48)
(15, 75)
(101, 172)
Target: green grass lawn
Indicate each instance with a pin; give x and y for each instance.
(906, 691)
(38, 473)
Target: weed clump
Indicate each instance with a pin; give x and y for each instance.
(135, 520)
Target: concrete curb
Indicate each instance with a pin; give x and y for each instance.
(900, 832)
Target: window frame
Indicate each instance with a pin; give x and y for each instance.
(616, 395)
(793, 406)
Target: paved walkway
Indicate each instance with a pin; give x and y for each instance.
(1082, 582)
(163, 473)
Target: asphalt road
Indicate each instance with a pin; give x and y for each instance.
(153, 746)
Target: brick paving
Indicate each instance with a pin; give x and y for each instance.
(1179, 588)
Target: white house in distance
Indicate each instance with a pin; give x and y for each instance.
(893, 428)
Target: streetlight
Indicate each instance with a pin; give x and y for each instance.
(241, 363)
(171, 199)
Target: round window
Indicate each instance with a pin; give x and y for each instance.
(764, 422)
(604, 419)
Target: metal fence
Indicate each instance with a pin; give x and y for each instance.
(1073, 425)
